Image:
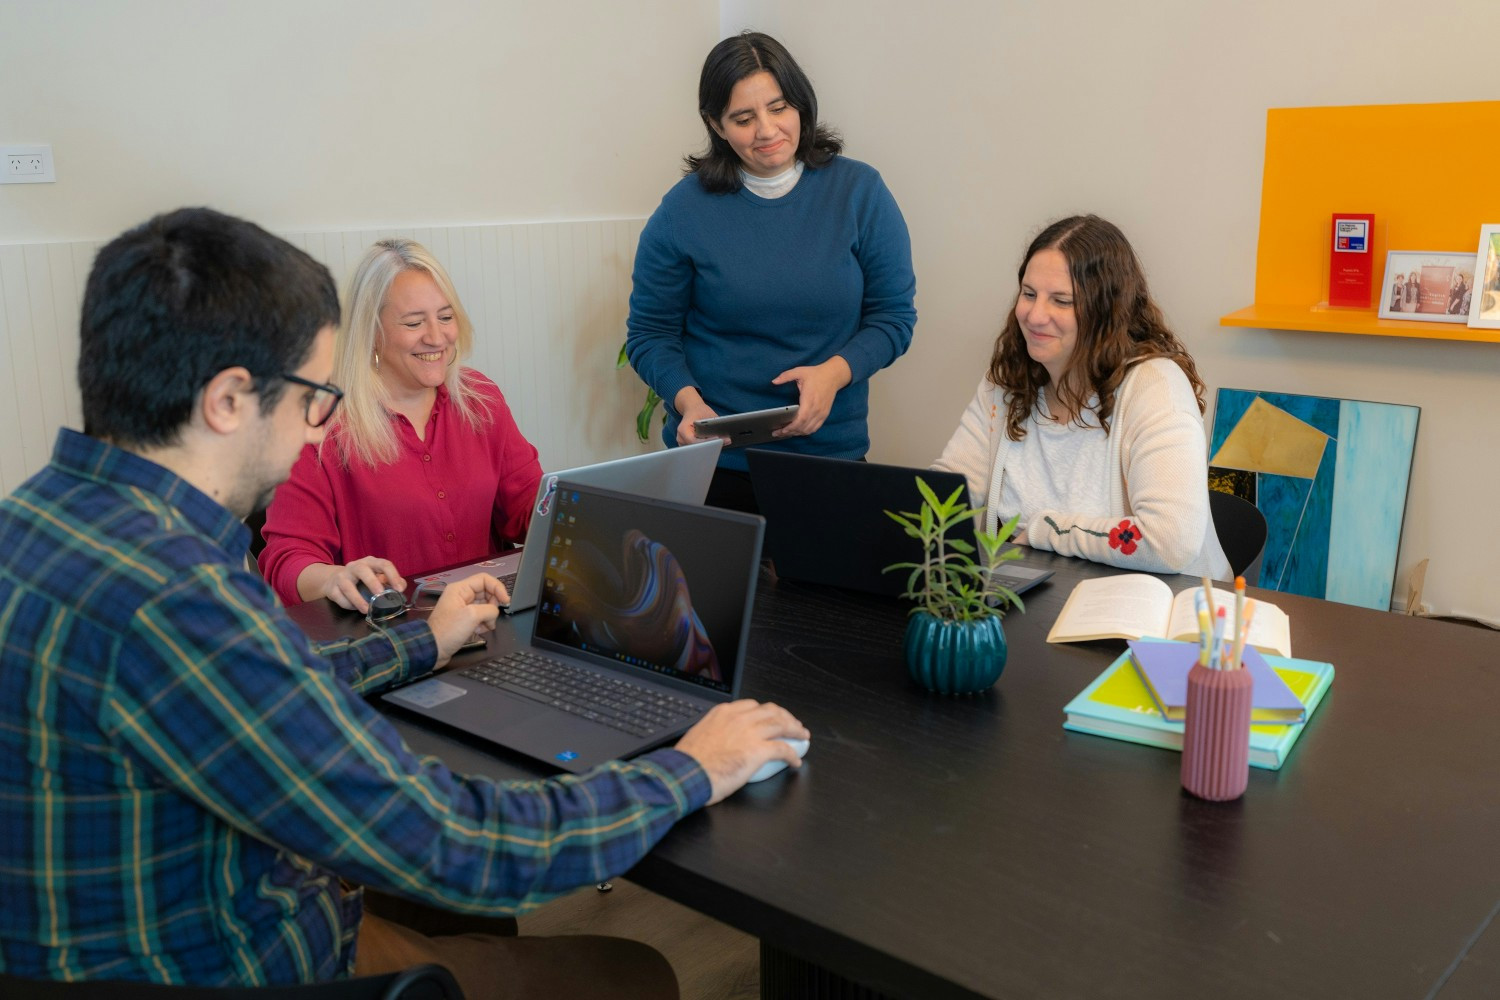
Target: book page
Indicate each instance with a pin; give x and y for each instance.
(1270, 628)
(1184, 623)
(1126, 607)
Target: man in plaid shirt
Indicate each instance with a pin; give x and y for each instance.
(184, 779)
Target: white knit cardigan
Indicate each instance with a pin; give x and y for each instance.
(1158, 520)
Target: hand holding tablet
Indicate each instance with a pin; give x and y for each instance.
(741, 429)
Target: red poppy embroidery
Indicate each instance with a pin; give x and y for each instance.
(1124, 536)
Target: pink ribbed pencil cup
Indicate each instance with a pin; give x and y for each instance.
(1216, 737)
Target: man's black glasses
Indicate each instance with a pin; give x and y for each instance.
(320, 403)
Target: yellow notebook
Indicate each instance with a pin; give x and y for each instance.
(1116, 704)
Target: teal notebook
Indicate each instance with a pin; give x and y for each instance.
(1118, 705)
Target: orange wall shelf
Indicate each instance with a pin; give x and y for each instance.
(1426, 171)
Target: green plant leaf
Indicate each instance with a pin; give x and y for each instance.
(911, 581)
(912, 531)
(643, 418)
(904, 519)
(929, 498)
(989, 543)
(949, 582)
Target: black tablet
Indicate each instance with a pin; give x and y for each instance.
(741, 429)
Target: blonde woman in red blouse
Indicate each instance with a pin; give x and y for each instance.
(423, 466)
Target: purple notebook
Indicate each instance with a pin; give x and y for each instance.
(1164, 665)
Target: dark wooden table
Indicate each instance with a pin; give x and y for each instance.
(936, 846)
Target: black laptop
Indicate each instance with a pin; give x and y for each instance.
(641, 623)
(826, 521)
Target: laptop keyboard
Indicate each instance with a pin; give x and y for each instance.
(612, 701)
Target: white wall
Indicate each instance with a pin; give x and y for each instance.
(548, 301)
(989, 120)
(347, 114)
(336, 120)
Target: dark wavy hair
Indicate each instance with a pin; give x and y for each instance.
(1119, 326)
(728, 63)
(178, 299)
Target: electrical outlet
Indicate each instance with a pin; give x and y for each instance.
(26, 165)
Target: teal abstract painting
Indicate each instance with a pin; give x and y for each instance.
(1330, 476)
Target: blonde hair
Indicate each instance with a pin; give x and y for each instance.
(362, 427)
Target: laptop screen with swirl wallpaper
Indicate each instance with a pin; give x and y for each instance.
(647, 585)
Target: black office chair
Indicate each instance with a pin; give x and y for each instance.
(423, 982)
(1241, 528)
(256, 522)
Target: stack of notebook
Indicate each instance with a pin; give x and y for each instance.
(1143, 704)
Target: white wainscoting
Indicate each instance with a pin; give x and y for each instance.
(548, 302)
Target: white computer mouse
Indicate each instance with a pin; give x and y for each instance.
(771, 767)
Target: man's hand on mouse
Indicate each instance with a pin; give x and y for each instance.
(468, 606)
(342, 585)
(733, 740)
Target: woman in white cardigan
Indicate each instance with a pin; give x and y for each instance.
(1089, 422)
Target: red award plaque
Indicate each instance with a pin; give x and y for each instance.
(1351, 260)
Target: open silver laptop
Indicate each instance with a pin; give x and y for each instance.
(679, 474)
(641, 628)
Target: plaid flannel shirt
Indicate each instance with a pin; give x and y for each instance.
(184, 779)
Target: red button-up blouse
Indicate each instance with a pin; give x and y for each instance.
(457, 496)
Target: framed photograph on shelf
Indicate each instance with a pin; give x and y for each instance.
(1433, 286)
(1484, 304)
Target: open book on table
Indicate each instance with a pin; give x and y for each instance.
(1134, 605)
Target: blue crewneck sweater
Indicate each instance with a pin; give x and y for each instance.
(731, 290)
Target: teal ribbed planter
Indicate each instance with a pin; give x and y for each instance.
(954, 657)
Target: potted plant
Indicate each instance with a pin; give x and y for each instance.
(643, 418)
(955, 643)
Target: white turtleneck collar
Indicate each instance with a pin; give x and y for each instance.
(773, 187)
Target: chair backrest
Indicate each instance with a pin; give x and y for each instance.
(422, 982)
(1241, 528)
(256, 522)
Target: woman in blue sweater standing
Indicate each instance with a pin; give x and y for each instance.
(777, 271)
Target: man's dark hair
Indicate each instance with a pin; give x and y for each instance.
(729, 62)
(175, 301)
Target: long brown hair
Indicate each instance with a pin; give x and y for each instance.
(1119, 326)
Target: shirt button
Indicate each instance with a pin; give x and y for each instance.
(442, 495)
(450, 536)
(426, 458)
